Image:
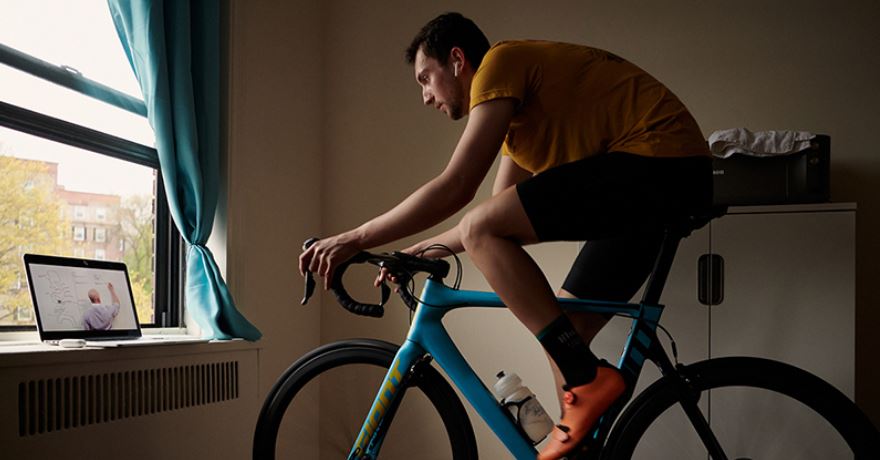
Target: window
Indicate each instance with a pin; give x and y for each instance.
(100, 235)
(76, 149)
(24, 314)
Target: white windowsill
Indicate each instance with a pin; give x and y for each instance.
(19, 349)
(23, 338)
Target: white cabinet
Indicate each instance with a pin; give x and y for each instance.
(789, 288)
(788, 295)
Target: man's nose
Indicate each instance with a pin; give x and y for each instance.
(427, 98)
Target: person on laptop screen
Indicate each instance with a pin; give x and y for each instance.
(100, 316)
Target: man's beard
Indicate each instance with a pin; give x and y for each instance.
(455, 111)
(454, 105)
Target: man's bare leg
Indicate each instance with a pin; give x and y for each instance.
(493, 235)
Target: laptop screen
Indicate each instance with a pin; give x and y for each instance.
(83, 299)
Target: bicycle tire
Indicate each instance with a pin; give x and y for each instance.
(361, 352)
(752, 373)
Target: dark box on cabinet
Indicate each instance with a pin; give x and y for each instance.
(801, 177)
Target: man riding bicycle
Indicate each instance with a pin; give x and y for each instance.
(593, 148)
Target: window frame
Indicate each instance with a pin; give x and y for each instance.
(168, 254)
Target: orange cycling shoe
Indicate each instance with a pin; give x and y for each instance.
(581, 408)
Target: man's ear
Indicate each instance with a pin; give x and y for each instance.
(457, 59)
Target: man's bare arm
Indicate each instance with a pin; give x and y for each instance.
(430, 204)
(508, 175)
(113, 297)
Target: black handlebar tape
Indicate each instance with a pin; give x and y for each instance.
(408, 299)
(435, 267)
(399, 264)
(358, 308)
(352, 305)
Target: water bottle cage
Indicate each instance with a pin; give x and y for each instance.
(516, 418)
(518, 404)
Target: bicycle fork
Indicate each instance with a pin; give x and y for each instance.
(401, 374)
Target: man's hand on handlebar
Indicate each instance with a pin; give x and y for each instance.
(323, 256)
(386, 275)
(332, 258)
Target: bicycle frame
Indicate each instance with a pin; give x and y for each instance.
(428, 337)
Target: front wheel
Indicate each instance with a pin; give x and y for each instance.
(756, 408)
(316, 409)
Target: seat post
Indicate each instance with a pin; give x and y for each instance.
(662, 266)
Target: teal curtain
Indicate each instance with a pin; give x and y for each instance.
(174, 48)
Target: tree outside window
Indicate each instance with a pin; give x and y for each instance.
(30, 221)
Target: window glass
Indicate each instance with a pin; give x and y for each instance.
(64, 177)
(63, 200)
(80, 35)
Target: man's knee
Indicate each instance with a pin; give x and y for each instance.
(474, 228)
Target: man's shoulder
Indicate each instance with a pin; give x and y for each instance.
(506, 46)
(533, 45)
(522, 51)
(510, 52)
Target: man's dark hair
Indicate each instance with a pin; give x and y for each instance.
(446, 31)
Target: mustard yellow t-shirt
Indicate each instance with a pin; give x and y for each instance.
(574, 101)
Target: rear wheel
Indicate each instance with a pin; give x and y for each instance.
(757, 409)
(317, 407)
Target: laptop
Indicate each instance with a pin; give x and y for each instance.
(88, 302)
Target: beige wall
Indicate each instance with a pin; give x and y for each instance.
(274, 168)
(323, 108)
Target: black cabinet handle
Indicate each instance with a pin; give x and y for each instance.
(710, 279)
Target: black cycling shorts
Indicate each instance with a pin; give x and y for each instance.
(618, 203)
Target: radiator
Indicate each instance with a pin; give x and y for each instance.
(181, 401)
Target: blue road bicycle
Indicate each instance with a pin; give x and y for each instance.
(403, 372)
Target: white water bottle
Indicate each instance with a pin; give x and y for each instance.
(527, 412)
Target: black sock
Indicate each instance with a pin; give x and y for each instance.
(573, 357)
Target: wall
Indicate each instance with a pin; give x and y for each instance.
(274, 165)
(326, 129)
